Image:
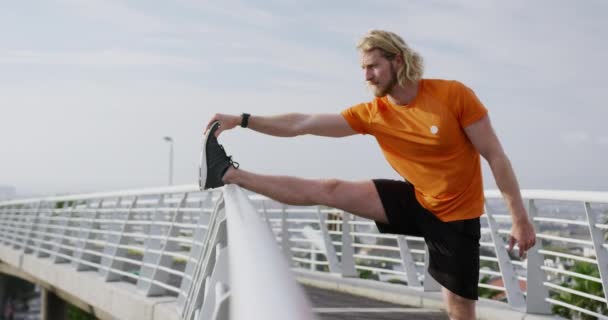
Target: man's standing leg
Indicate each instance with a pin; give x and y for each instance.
(458, 308)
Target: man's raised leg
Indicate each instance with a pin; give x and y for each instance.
(217, 168)
(357, 197)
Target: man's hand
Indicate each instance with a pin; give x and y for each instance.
(227, 122)
(522, 233)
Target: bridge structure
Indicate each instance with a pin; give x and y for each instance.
(180, 253)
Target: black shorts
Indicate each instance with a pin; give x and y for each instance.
(453, 246)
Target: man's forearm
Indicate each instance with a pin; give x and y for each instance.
(284, 125)
(507, 183)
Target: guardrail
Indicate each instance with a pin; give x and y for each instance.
(151, 238)
(176, 242)
(565, 273)
(167, 242)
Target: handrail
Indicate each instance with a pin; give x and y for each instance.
(539, 194)
(109, 194)
(559, 195)
(262, 285)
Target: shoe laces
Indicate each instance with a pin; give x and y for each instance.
(234, 164)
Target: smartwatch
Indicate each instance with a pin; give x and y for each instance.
(245, 120)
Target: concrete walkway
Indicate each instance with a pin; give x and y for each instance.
(331, 305)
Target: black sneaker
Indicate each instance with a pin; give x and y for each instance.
(214, 161)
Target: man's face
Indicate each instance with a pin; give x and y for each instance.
(379, 72)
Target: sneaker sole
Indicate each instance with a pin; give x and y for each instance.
(202, 165)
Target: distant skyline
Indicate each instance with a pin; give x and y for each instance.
(90, 88)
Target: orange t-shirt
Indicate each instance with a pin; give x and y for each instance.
(425, 143)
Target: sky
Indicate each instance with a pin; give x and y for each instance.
(88, 89)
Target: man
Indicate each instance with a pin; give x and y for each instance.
(432, 132)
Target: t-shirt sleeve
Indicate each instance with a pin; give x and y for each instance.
(468, 107)
(358, 117)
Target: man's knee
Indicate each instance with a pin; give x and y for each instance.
(359, 198)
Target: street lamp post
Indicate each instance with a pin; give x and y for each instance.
(170, 141)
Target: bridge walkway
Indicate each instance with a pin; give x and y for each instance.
(331, 305)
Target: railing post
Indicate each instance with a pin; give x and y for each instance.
(313, 256)
(537, 292)
(222, 303)
(348, 252)
(12, 233)
(3, 224)
(151, 245)
(203, 270)
(112, 250)
(408, 262)
(29, 243)
(85, 245)
(212, 269)
(19, 226)
(60, 240)
(218, 279)
(598, 245)
(45, 221)
(110, 240)
(44, 304)
(161, 260)
(200, 234)
(330, 251)
(285, 242)
(515, 297)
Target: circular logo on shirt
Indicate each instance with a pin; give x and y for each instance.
(434, 129)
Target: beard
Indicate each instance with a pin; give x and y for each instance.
(381, 91)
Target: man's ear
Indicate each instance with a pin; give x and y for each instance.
(398, 61)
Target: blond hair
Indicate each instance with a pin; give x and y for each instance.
(392, 45)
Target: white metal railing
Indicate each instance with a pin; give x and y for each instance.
(177, 242)
(167, 242)
(151, 238)
(571, 229)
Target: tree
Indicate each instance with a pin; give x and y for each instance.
(485, 292)
(582, 285)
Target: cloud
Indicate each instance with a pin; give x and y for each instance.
(235, 11)
(603, 141)
(576, 138)
(110, 57)
(117, 13)
(583, 138)
(155, 18)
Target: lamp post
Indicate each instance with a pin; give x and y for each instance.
(170, 141)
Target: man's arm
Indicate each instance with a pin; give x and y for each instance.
(289, 125)
(482, 135)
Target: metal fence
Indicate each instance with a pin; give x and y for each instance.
(564, 274)
(178, 241)
(150, 238)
